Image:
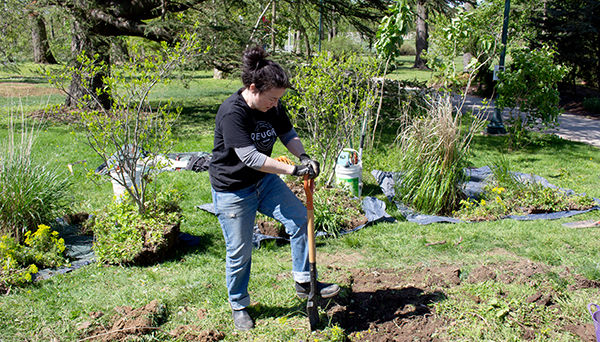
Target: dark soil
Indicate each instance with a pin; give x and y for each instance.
(129, 324)
(397, 305)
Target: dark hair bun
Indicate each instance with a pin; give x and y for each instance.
(262, 72)
(254, 57)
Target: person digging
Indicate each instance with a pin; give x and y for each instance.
(244, 180)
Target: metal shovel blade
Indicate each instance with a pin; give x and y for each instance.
(312, 308)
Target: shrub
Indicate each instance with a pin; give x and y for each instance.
(529, 89)
(332, 97)
(334, 210)
(122, 233)
(433, 152)
(31, 193)
(133, 133)
(592, 104)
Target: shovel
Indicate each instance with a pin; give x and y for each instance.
(313, 295)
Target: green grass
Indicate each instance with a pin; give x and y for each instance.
(193, 280)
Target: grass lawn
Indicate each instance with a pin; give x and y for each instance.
(480, 284)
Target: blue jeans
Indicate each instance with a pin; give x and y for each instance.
(236, 211)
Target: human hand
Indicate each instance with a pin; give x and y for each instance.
(306, 160)
(302, 170)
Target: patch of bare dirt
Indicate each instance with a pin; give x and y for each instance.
(398, 305)
(508, 272)
(131, 324)
(14, 89)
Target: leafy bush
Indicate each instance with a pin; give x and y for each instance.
(121, 232)
(31, 193)
(42, 249)
(433, 152)
(592, 104)
(45, 248)
(332, 97)
(132, 134)
(529, 89)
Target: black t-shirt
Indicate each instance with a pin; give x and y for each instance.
(237, 125)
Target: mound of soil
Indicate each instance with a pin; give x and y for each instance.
(154, 252)
(131, 324)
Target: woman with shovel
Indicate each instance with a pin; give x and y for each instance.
(244, 178)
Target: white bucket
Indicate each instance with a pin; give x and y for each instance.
(348, 171)
(118, 189)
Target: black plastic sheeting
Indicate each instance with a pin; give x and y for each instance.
(78, 250)
(374, 211)
(473, 188)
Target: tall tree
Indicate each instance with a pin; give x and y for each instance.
(423, 8)
(39, 39)
(573, 27)
(95, 21)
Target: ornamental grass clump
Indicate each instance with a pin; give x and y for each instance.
(433, 152)
(31, 193)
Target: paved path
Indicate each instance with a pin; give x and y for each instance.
(572, 127)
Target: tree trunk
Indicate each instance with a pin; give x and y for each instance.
(82, 85)
(39, 39)
(421, 43)
(274, 15)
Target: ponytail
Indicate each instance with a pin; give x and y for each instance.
(264, 73)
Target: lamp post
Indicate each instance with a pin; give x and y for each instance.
(496, 126)
(320, 24)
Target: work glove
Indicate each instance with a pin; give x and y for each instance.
(301, 170)
(306, 160)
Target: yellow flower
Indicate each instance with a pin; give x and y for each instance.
(482, 202)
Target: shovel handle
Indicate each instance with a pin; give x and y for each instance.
(310, 213)
(590, 305)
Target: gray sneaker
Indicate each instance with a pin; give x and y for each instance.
(326, 290)
(242, 320)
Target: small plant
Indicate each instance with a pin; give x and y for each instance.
(506, 195)
(334, 211)
(31, 193)
(18, 262)
(45, 247)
